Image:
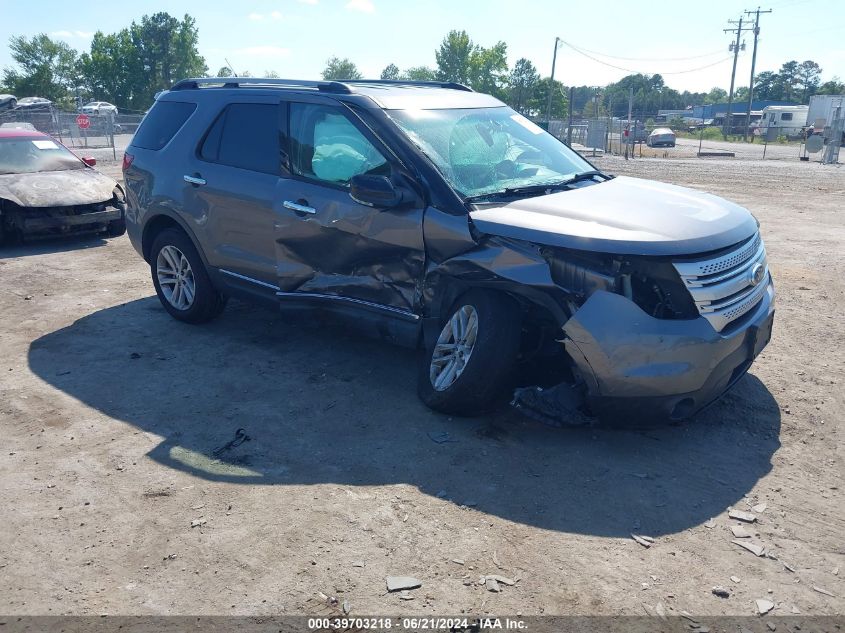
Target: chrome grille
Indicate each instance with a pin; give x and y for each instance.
(722, 287)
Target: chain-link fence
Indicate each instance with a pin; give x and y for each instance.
(81, 131)
(649, 137)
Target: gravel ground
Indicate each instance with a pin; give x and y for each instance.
(120, 426)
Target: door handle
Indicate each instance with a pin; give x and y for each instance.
(194, 180)
(299, 208)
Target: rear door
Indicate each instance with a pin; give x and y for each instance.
(233, 183)
(328, 246)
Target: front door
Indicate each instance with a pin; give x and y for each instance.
(328, 246)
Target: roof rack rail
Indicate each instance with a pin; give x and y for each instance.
(451, 85)
(238, 82)
(337, 87)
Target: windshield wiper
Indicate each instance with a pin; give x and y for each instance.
(532, 189)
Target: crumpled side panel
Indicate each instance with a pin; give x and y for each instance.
(355, 251)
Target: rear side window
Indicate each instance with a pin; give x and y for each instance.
(786, 116)
(245, 135)
(161, 124)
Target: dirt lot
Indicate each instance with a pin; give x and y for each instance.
(118, 421)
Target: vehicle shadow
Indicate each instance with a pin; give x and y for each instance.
(59, 244)
(319, 404)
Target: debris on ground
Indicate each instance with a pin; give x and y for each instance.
(440, 438)
(357, 563)
(788, 567)
(645, 541)
(740, 532)
(492, 585)
(740, 515)
(735, 579)
(557, 406)
(240, 438)
(755, 548)
(772, 626)
(399, 583)
(764, 606)
(760, 508)
(721, 592)
(406, 595)
(198, 522)
(458, 561)
(502, 579)
(710, 524)
(823, 591)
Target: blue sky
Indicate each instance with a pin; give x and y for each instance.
(295, 37)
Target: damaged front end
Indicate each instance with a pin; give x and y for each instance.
(647, 340)
(37, 222)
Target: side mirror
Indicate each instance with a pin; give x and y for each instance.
(89, 160)
(374, 191)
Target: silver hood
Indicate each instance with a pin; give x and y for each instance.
(626, 216)
(57, 188)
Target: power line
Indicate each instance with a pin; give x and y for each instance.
(632, 70)
(645, 59)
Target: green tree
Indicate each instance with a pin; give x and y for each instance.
(832, 87)
(167, 48)
(390, 72)
(536, 105)
(225, 71)
(420, 73)
(453, 57)
(45, 68)
(767, 86)
(337, 69)
(488, 69)
(809, 78)
(789, 79)
(112, 70)
(716, 95)
(523, 80)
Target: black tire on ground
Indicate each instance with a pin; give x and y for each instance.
(116, 228)
(489, 370)
(208, 301)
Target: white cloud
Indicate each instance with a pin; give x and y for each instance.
(255, 17)
(364, 6)
(308, 1)
(264, 51)
(276, 15)
(70, 34)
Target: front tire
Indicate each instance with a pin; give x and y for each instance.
(181, 280)
(467, 370)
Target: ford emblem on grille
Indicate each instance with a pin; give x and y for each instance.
(757, 273)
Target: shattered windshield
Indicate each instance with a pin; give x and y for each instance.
(489, 150)
(26, 155)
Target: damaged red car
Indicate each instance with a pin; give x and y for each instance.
(48, 191)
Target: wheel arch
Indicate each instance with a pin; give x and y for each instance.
(159, 223)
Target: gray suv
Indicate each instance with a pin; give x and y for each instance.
(439, 218)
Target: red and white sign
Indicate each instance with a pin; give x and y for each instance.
(83, 122)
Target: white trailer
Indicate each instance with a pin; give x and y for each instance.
(822, 108)
(788, 121)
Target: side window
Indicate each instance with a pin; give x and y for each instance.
(245, 135)
(325, 145)
(161, 124)
(786, 116)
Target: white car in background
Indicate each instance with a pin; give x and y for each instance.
(661, 137)
(99, 107)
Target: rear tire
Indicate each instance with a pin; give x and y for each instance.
(483, 361)
(181, 280)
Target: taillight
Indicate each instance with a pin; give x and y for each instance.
(127, 160)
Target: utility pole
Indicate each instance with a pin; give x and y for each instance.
(736, 47)
(628, 138)
(753, 63)
(552, 87)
